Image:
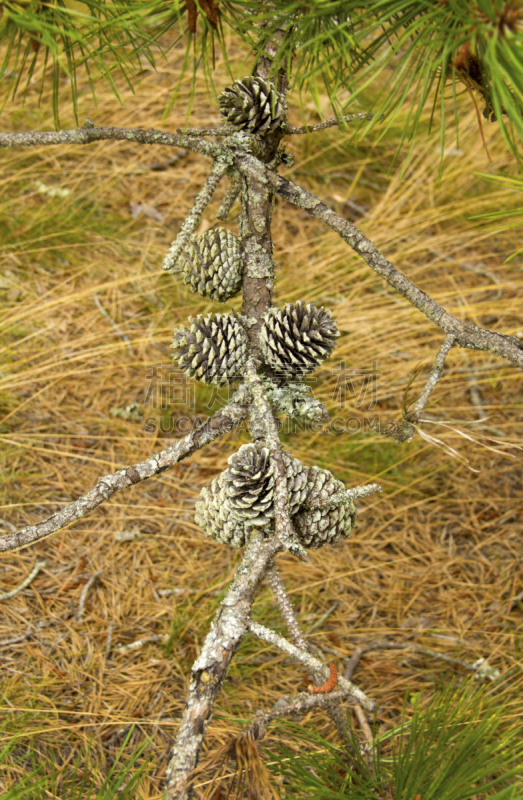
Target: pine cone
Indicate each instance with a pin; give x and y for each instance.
(214, 517)
(317, 527)
(213, 350)
(251, 105)
(242, 497)
(212, 264)
(296, 339)
(249, 484)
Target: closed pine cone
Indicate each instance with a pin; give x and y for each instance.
(249, 485)
(323, 525)
(213, 515)
(213, 350)
(242, 497)
(249, 482)
(251, 105)
(212, 264)
(297, 339)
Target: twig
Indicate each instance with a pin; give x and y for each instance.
(364, 725)
(85, 591)
(338, 498)
(136, 645)
(230, 198)
(25, 583)
(299, 704)
(479, 667)
(469, 336)
(88, 135)
(352, 664)
(206, 131)
(333, 708)
(118, 330)
(221, 422)
(435, 375)
(286, 608)
(329, 123)
(310, 662)
(194, 217)
(405, 430)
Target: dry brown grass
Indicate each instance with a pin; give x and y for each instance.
(437, 557)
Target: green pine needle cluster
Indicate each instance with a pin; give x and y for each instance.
(456, 747)
(43, 781)
(428, 50)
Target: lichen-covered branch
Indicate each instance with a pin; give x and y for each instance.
(434, 377)
(221, 422)
(470, 336)
(405, 430)
(232, 194)
(210, 668)
(194, 216)
(300, 704)
(92, 133)
(328, 123)
(345, 496)
(286, 608)
(481, 669)
(331, 703)
(310, 662)
(258, 266)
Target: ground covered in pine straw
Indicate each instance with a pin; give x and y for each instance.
(87, 317)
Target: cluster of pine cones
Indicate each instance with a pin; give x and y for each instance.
(212, 264)
(214, 348)
(242, 499)
(295, 340)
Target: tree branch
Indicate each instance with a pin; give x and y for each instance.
(470, 336)
(338, 498)
(286, 608)
(331, 703)
(232, 194)
(328, 123)
(434, 377)
(210, 669)
(479, 667)
(92, 133)
(221, 422)
(310, 662)
(405, 430)
(194, 216)
(300, 704)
